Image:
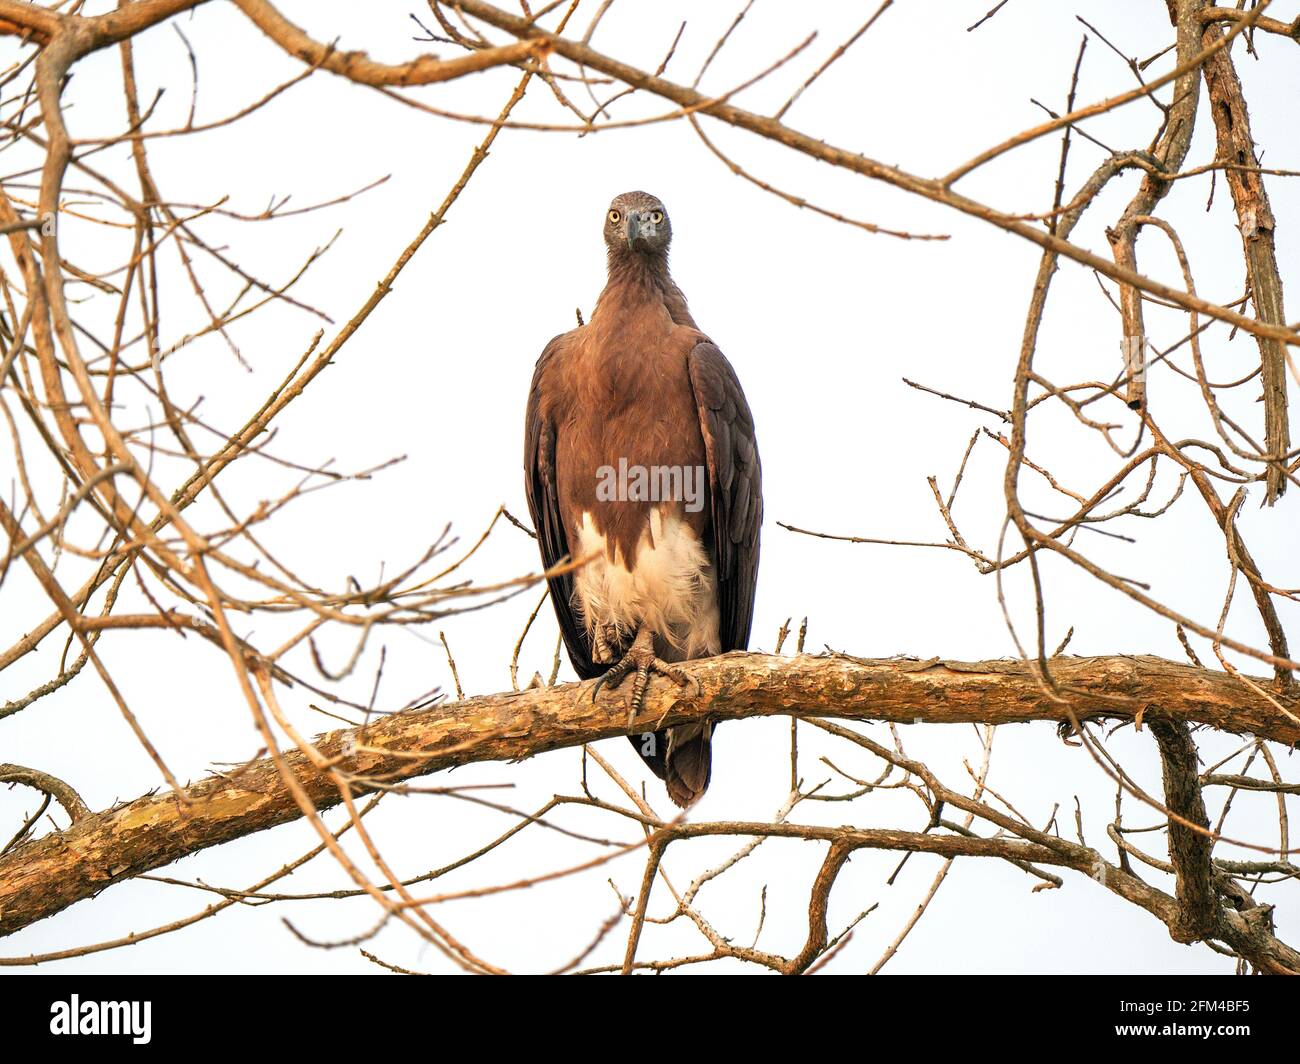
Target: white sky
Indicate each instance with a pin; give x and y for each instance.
(821, 322)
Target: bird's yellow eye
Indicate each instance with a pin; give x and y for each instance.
(657, 217)
(614, 216)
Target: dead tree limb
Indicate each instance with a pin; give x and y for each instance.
(1170, 152)
(1188, 850)
(1236, 147)
(46, 875)
(47, 784)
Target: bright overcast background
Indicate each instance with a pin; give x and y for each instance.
(821, 321)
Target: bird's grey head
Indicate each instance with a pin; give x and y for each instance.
(636, 222)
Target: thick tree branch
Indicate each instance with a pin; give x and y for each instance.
(1265, 25)
(48, 874)
(1188, 850)
(88, 34)
(1255, 220)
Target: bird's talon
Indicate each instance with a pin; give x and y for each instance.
(640, 659)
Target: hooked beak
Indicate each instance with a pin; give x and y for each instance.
(639, 229)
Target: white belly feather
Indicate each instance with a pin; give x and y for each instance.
(671, 589)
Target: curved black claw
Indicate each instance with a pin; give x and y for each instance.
(614, 677)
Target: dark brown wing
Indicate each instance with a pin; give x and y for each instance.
(735, 489)
(544, 506)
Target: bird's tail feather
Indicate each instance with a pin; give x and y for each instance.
(681, 757)
(687, 762)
